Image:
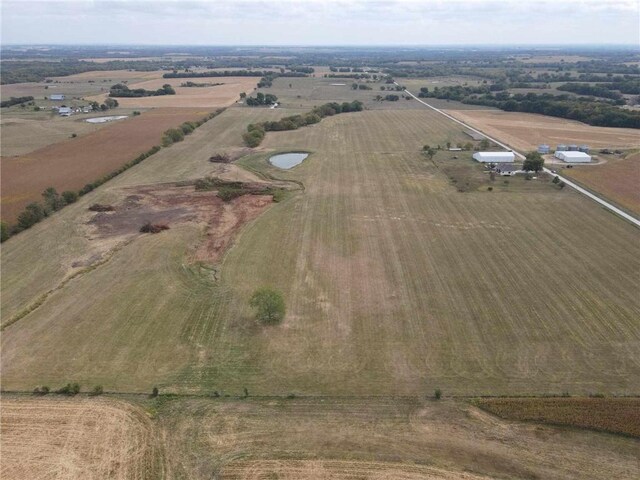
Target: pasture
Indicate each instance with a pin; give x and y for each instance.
(525, 131)
(395, 282)
(74, 162)
(617, 180)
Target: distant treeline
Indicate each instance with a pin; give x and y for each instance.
(599, 113)
(15, 101)
(357, 76)
(232, 73)
(193, 84)
(121, 90)
(256, 131)
(53, 201)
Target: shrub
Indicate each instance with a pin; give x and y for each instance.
(97, 390)
(228, 192)
(154, 392)
(69, 389)
(44, 390)
(220, 158)
(136, 113)
(5, 233)
(74, 135)
(70, 196)
(99, 207)
(269, 304)
(437, 394)
(153, 227)
(32, 214)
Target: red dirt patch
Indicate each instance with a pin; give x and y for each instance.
(171, 204)
(71, 164)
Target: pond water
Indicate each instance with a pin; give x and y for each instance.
(287, 160)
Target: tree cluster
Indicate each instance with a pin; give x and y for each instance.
(261, 99)
(121, 90)
(15, 101)
(256, 132)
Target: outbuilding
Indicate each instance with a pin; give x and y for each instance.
(56, 96)
(544, 148)
(494, 157)
(64, 111)
(507, 169)
(573, 157)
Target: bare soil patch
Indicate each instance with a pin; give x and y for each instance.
(616, 415)
(84, 439)
(172, 204)
(71, 164)
(525, 131)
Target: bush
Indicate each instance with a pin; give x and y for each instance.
(70, 196)
(32, 214)
(269, 304)
(136, 113)
(154, 392)
(153, 227)
(44, 390)
(490, 189)
(99, 207)
(97, 390)
(69, 389)
(5, 233)
(220, 158)
(229, 192)
(437, 394)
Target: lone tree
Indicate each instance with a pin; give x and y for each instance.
(269, 305)
(533, 162)
(429, 151)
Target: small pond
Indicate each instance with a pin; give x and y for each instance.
(287, 160)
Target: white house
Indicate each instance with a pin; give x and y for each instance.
(573, 157)
(494, 157)
(56, 96)
(507, 169)
(64, 111)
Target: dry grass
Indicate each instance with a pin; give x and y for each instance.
(525, 131)
(380, 439)
(70, 164)
(618, 180)
(616, 415)
(205, 97)
(83, 439)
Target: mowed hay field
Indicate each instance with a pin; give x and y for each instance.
(395, 282)
(525, 131)
(70, 164)
(63, 439)
(618, 180)
(377, 439)
(205, 97)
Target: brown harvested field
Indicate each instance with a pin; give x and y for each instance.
(59, 438)
(618, 180)
(525, 131)
(374, 438)
(209, 97)
(71, 164)
(616, 415)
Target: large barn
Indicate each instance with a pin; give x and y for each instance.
(494, 157)
(573, 157)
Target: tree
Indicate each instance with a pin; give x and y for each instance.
(437, 394)
(484, 144)
(4, 232)
(154, 392)
(269, 304)
(32, 214)
(429, 151)
(97, 390)
(533, 162)
(243, 95)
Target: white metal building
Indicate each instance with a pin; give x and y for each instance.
(56, 96)
(494, 157)
(65, 111)
(573, 157)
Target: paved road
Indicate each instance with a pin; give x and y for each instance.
(573, 185)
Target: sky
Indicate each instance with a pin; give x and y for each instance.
(321, 22)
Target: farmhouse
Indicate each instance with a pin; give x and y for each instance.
(507, 169)
(56, 96)
(494, 157)
(573, 157)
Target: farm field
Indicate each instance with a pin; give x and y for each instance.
(76, 439)
(525, 131)
(87, 438)
(618, 180)
(399, 438)
(395, 282)
(74, 162)
(193, 97)
(618, 415)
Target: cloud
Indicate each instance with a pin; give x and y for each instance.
(320, 21)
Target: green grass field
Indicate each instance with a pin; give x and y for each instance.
(395, 282)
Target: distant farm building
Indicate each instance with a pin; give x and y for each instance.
(507, 169)
(583, 148)
(494, 157)
(455, 149)
(561, 148)
(572, 148)
(64, 111)
(544, 148)
(56, 96)
(573, 157)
